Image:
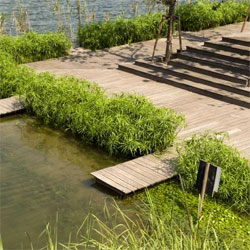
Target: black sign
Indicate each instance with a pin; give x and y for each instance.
(213, 178)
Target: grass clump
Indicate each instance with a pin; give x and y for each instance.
(11, 75)
(194, 17)
(235, 177)
(33, 47)
(124, 124)
(120, 31)
(209, 14)
(232, 228)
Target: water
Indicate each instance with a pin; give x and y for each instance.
(44, 171)
(43, 18)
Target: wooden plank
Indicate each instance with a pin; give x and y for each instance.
(147, 172)
(131, 184)
(150, 168)
(146, 177)
(106, 178)
(10, 105)
(132, 175)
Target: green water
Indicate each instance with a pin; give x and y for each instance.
(42, 172)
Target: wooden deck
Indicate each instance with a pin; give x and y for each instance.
(137, 174)
(202, 113)
(9, 106)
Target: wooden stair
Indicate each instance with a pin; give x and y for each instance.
(218, 69)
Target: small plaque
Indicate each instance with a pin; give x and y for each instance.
(213, 178)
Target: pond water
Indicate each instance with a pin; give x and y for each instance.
(43, 17)
(44, 171)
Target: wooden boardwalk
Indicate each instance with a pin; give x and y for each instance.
(9, 106)
(202, 113)
(137, 174)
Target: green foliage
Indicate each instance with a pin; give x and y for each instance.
(124, 124)
(194, 17)
(149, 228)
(235, 178)
(11, 75)
(120, 31)
(35, 47)
(230, 226)
(207, 14)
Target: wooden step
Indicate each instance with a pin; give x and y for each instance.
(237, 88)
(195, 87)
(244, 41)
(224, 55)
(208, 70)
(226, 46)
(214, 62)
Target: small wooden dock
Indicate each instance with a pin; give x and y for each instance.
(137, 174)
(9, 106)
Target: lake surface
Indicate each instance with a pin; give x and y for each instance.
(44, 171)
(43, 17)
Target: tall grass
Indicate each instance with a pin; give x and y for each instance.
(150, 228)
(35, 47)
(235, 178)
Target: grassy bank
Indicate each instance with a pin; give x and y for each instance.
(124, 124)
(33, 47)
(194, 17)
(235, 176)
(161, 222)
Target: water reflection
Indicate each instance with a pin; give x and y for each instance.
(44, 171)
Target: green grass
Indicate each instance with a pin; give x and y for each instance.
(161, 222)
(194, 17)
(124, 124)
(232, 228)
(207, 14)
(33, 47)
(120, 31)
(235, 177)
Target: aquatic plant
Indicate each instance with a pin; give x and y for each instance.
(152, 227)
(124, 124)
(2, 21)
(35, 47)
(235, 178)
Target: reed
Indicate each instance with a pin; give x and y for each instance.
(3, 17)
(21, 20)
(149, 228)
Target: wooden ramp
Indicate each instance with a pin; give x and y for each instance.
(137, 174)
(10, 106)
